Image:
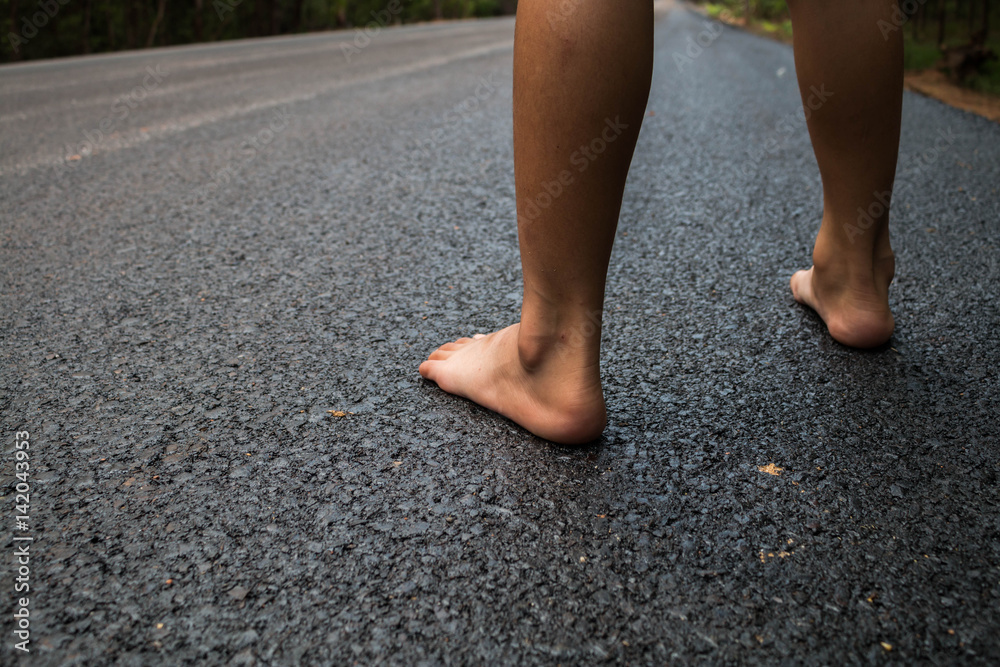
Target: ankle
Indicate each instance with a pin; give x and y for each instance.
(576, 337)
(874, 268)
(856, 259)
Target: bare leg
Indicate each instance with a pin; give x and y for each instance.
(851, 80)
(582, 71)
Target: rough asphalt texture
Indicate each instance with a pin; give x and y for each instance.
(182, 309)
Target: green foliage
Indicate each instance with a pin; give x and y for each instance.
(51, 28)
(919, 55)
(715, 9)
(988, 79)
(770, 16)
(770, 10)
(921, 30)
(775, 12)
(781, 29)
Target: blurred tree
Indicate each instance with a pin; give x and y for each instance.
(198, 20)
(942, 19)
(85, 30)
(160, 9)
(51, 28)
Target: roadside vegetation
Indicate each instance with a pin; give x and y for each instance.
(960, 38)
(50, 28)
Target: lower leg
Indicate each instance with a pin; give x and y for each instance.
(851, 80)
(581, 79)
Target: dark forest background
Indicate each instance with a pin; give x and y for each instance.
(959, 37)
(51, 28)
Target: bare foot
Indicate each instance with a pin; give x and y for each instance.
(856, 311)
(556, 395)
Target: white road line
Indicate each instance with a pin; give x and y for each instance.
(184, 123)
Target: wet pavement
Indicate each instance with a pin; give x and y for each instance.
(222, 264)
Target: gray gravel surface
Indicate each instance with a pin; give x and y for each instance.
(265, 233)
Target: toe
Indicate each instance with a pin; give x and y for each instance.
(441, 353)
(801, 284)
(428, 369)
(441, 373)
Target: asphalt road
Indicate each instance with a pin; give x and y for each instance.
(209, 253)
